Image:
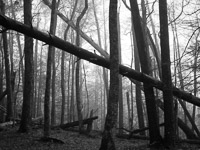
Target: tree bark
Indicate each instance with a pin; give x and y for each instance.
(78, 69)
(138, 93)
(28, 89)
(2, 103)
(153, 122)
(107, 142)
(39, 111)
(166, 76)
(7, 69)
(121, 107)
(53, 89)
(48, 74)
(63, 87)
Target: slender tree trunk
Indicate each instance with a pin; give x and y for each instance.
(7, 68)
(2, 101)
(196, 54)
(35, 80)
(63, 87)
(107, 142)
(72, 92)
(19, 44)
(68, 90)
(28, 89)
(53, 86)
(78, 63)
(105, 74)
(121, 109)
(36, 76)
(86, 90)
(129, 110)
(69, 73)
(39, 111)
(138, 93)
(48, 74)
(166, 76)
(131, 92)
(148, 89)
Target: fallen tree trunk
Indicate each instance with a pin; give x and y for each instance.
(76, 123)
(136, 131)
(127, 136)
(190, 141)
(11, 24)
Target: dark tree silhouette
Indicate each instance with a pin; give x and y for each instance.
(148, 89)
(48, 77)
(7, 69)
(166, 76)
(28, 89)
(107, 142)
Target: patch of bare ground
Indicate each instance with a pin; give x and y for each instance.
(10, 139)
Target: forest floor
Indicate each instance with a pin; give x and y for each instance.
(10, 139)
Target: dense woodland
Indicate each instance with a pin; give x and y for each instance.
(125, 68)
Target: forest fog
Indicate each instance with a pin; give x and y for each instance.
(118, 65)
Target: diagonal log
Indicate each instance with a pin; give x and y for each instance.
(76, 123)
(11, 24)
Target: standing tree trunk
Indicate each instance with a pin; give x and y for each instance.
(53, 105)
(36, 76)
(18, 43)
(138, 93)
(148, 89)
(129, 110)
(48, 74)
(196, 54)
(105, 74)
(28, 89)
(7, 68)
(35, 80)
(78, 95)
(121, 110)
(63, 87)
(39, 112)
(72, 118)
(166, 76)
(53, 89)
(2, 102)
(107, 142)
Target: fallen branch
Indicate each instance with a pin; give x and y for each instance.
(127, 136)
(190, 141)
(76, 123)
(136, 131)
(51, 140)
(11, 24)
